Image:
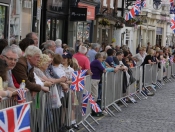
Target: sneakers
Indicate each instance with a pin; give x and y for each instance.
(104, 112)
(150, 94)
(133, 100)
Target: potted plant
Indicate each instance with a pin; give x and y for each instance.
(104, 22)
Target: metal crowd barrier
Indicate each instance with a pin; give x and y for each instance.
(83, 119)
(112, 90)
(173, 69)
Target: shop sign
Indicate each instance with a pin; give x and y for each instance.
(78, 14)
(90, 10)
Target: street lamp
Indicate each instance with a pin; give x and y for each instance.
(157, 4)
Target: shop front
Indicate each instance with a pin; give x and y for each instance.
(82, 26)
(54, 20)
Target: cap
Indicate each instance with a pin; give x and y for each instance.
(67, 55)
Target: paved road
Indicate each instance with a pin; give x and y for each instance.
(156, 114)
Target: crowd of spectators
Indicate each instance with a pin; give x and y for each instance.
(54, 64)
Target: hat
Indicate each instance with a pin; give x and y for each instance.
(67, 55)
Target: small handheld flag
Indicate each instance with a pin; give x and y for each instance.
(21, 95)
(78, 80)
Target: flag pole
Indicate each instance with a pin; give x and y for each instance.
(15, 106)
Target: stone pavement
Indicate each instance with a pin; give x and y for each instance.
(155, 114)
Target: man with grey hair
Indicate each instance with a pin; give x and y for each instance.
(59, 49)
(82, 59)
(10, 55)
(50, 45)
(95, 47)
(25, 67)
(105, 52)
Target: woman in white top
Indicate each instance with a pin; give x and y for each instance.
(139, 58)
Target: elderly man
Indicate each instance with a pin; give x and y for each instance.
(82, 59)
(94, 49)
(25, 67)
(50, 45)
(59, 49)
(10, 55)
(34, 37)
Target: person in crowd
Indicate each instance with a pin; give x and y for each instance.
(25, 43)
(107, 67)
(105, 52)
(19, 51)
(103, 45)
(117, 48)
(50, 45)
(77, 44)
(13, 41)
(3, 78)
(148, 47)
(59, 71)
(25, 67)
(3, 44)
(40, 69)
(148, 60)
(34, 37)
(97, 70)
(110, 59)
(65, 48)
(59, 49)
(93, 51)
(71, 51)
(139, 57)
(65, 66)
(10, 55)
(83, 61)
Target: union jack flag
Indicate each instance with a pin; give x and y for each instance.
(84, 103)
(94, 105)
(171, 3)
(143, 4)
(130, 14)
(16, 119)
(173, 24)
(78, 80)
(21, 95)
(172, 8)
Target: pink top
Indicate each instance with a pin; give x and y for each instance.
(83, 61)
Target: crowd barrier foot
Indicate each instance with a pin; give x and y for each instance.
(144, 95)
(137, 96)
(147, 90)
(90, 125)
(129, 97)
(71, 130)
(159, 85)
(116, 107)
(85, 126)
(109, 111)
(124, 103)
(94, 119)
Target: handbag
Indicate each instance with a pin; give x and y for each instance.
(55, 99)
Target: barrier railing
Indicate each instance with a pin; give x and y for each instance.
(46, 118)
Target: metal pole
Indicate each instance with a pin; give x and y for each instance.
(140, 35)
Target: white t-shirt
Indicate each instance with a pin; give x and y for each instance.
(67, 70)
(139, 58)
(59, 71)
(38, 80)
